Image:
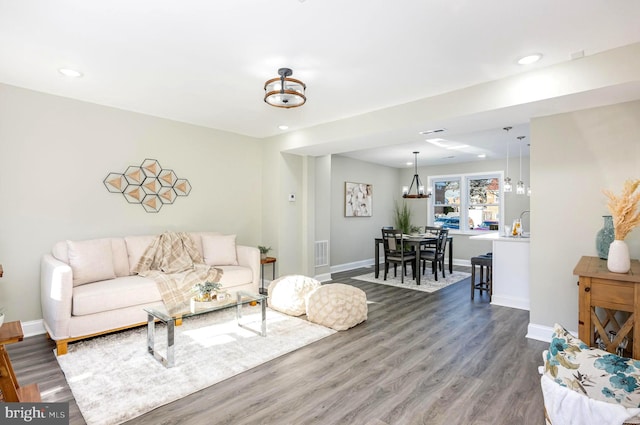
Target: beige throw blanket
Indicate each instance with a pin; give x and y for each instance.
(175, 264)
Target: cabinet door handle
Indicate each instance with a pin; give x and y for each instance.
(587, 289)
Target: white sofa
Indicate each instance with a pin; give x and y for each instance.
(88, 287)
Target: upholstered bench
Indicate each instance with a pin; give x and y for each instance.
(337, 306)
(587, 386)
(287, 294)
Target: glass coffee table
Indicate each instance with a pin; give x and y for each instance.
(160, 313)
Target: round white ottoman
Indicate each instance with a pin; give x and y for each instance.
(287, 294)
(337, 306)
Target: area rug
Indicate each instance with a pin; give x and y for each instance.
(427, 282)
(114, 379)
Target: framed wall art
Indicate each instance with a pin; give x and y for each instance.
(357, 199)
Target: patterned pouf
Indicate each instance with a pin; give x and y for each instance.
(287, 294)
(337, 306)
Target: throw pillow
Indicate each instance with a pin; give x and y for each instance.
(593, 372)
(219, 250)
(91, 260)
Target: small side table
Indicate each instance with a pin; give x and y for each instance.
(263, 261)
(10, 333)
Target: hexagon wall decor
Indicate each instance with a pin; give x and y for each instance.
(148, 185)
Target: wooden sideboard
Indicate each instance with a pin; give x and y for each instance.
(609, 302)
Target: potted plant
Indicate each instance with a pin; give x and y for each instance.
(207, 295)
(402, 217)
(206, 291)
(414, 230)
(264, 250)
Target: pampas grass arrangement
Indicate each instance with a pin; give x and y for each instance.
(624, 209)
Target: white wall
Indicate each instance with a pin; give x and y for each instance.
(56, 152)
(322, 208)
(352, 238)
(575, 156)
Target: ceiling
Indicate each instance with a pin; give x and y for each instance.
(205, 62)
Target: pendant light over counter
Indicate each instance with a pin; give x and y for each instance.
(520, 185)
(507, 186)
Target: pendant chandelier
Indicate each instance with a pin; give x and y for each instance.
(283, 91)
(420, 192)
(507, 186)
(520, 185)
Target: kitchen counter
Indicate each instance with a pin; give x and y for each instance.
(510, 269)
(497, 236)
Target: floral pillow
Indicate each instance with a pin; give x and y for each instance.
(595, 373)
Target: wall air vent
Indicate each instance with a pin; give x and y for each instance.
(322, 253)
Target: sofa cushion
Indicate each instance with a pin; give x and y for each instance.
(197, 239)
(114, 294)
(60, 251)
(235, 275)
(120, 257)
(220, 250)
(136, 246)
(90, 260)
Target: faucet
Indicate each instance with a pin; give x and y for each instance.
(522, 215)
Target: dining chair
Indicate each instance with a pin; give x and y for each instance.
(394, 254)
(436, 256)
(432, 231)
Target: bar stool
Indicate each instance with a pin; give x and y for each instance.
(483, 285)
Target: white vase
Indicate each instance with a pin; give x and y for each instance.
(618, 261)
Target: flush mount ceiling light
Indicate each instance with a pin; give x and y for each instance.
(529, 59)
(284, 92)
(68, 72)
(420, 193)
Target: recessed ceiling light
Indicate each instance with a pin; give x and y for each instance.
(482, 155)
(283, 127)
(529, 59)
(437, 130)
(68, 72)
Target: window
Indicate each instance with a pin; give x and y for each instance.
(446, 210)
(467, 202)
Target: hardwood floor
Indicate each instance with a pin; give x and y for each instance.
(420, 358)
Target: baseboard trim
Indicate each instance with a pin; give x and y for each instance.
(33, 327)
(351, 266)
(542, 333)
(513, 302)
(369, 263)
(324, 277)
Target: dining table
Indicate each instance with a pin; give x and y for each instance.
(414, 242)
